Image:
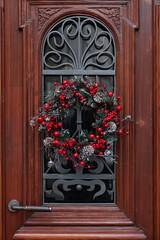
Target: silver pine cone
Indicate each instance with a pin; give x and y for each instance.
(99, 97)
(68, 93)
(48, 142)
(88, 151)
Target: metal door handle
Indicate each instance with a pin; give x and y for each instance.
(13, 206)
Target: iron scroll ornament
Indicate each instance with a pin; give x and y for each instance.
(79, 43)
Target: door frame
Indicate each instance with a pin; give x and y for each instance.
(130, 22)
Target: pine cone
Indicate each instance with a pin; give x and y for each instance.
(48, 142)
(71, 101)
(88, 151)
(68, 93)
(93, 105)
(99, 97)
(56, 113)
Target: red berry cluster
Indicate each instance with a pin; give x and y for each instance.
(110, 116)
(101, 144)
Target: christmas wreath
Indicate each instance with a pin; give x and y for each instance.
(82, 93)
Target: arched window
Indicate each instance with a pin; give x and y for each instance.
(84, 47)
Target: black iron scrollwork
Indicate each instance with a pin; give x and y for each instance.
(79, 43)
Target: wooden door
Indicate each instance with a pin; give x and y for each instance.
(135, 27)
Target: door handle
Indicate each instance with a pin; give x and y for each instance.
(13, 206)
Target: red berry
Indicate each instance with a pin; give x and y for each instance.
(77, 94)
(73, 140)
(34, 125)
(106, 111)
(98, 110)
(45, 116)
(74, 91)
(85, 84)
(55, 126)
(59, 124)
(105, 125)
(70, 144)
(76, 155)
(89, 166)
(99, 129)
(110, 94)
(65, 82)
(100, 153)
(104, 87)
(105, 104)
(43, 123)
(101, 133)
(40, 119)
(96, 84)
(119, 108)
(92, 136)
(61, 87)
(118, 97)
(60, 107)
(78, 147)
(127, 132)
(56, 134)
(97, 137)
(56, 142)
(84, 103)
(116, 120)
(66, 105)
(64, 152)
(71, 83)
(110, 147)
(55, 83)
(82, 98)
(120, 132)
(91, 88)
(75, 165)
(50, 103)
(82, 163)
(67, 159)
(60, 151)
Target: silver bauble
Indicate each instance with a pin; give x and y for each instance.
(127, 117)
(107, 153)
(50, 163)
(32, 122)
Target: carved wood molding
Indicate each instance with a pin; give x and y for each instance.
(77, 232)
(44, 15)
(113, 13)
(71, 2)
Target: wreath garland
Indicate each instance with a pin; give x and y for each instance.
(84, 93)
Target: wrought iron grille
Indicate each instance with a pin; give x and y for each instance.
(79, 46)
